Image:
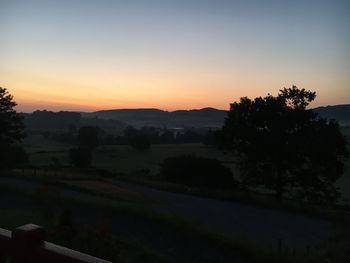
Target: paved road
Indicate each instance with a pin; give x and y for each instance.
(235, 219)
(231, 219)
(176, 246)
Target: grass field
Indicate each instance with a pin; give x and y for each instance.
(118, 158)
(123, 159)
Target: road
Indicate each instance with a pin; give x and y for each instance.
(231, 219)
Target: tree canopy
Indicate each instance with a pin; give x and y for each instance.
(193, 170)
(11, 130)
(11, 126)
(284, 146)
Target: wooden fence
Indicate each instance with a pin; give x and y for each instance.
(27, 244)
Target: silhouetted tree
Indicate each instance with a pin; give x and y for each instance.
(80, 157)
(48, 120)
(88, 138)
(11, 127)
(284, 146)
(197, 171)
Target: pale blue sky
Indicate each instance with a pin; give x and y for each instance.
(171, 54)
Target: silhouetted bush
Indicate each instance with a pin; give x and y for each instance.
(140, 142)
(80, 157)
(197, 171)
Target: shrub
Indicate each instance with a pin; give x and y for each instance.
(197, 171)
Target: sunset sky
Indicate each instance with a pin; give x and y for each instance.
(181, 54)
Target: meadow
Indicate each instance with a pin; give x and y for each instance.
(124, 160)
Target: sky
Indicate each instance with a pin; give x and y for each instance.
(86, 55)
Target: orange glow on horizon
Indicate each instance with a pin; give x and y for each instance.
(165, 90)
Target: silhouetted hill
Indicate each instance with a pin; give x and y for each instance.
(117, 119)
(207, 117)
(66, 120)
(341, 113)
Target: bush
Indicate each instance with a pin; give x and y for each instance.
(197, 171)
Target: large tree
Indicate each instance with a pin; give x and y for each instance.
(11, 126)
(284, 146)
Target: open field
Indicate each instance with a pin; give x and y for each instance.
(123, 159)
(118, 158)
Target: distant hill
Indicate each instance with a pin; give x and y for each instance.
(113, 120)
(341, 113)
(207, 117)
(66, 120)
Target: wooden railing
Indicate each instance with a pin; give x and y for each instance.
(27, 244)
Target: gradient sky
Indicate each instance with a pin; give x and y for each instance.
(89, 55)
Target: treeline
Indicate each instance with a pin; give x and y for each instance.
(129, 134)
(164, 136)
(66, 122)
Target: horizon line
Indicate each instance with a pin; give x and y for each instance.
(194, 109)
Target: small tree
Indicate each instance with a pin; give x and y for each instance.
(11, 127)
(284, 146)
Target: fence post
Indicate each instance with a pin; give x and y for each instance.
(25, 240)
